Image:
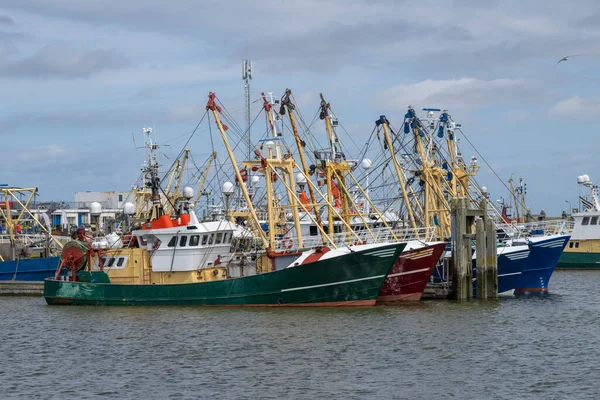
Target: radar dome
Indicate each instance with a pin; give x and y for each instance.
(188, 192)
(580, 179)
(95, 208)
(300, 179)
(128, 208)
(255, 178)
(367, 163)
(586, 178)
(227, 188)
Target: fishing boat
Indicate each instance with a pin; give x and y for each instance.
(25, 256)
(583, 250)
(411, 272)
(167, 272)
(177, 260)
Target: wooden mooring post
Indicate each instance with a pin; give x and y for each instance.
(486, 264)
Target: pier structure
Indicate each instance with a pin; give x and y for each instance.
(464, 218)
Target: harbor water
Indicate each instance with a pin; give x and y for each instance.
(526, 348)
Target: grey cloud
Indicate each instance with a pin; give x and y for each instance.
(7, 21)
(363, 43)
(591, 21)
(55, 61)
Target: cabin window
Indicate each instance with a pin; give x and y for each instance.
(183, 241)
(230, 237)
(211, 239)
(313, 230)
(576, 245)
(570, 245)
(103, 261)
(120, 262)
(204, 240)
(111, 262)
(172, 241)
(219, 238)
(194, 240)
(594, 221)
(585, 221)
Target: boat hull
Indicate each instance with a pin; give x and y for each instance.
(30, 269)
(543, 258)
(410, 274)
(510, 268)
(578, 260)
(354, 279)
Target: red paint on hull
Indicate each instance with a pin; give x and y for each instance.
(536, 290)
(410, 274)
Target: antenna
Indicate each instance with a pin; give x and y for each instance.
(247, 77)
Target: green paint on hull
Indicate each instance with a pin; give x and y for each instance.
(353, 278)
(573, 260)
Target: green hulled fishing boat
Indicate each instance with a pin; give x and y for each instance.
(583, 250)
(321, 277)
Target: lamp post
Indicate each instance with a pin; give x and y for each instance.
(570, 207)
(227, 190)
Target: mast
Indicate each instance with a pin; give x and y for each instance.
(335, 165)
(385, 124)
(213, 155)
(152, 176)
(285, 165)
(286, 103)
(216, 110)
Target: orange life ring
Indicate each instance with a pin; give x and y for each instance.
(287, 243)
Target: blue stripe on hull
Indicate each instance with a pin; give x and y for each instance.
(32, 269)
(542, 260)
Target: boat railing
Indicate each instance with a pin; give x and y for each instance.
(376, 235)
(537, 228)
(32, 240)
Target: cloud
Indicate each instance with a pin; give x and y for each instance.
(6, 21)
(463, 93)
(57, 61)
(577, 107)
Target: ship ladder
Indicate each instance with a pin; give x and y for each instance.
(146, 274)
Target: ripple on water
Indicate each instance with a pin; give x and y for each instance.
(514, 347)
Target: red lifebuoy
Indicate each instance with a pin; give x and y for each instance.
(243, 174)
(287, 243)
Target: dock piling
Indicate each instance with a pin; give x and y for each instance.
(486, 264)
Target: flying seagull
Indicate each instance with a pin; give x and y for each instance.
(564, 59)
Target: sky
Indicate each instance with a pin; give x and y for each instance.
(80, 79)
